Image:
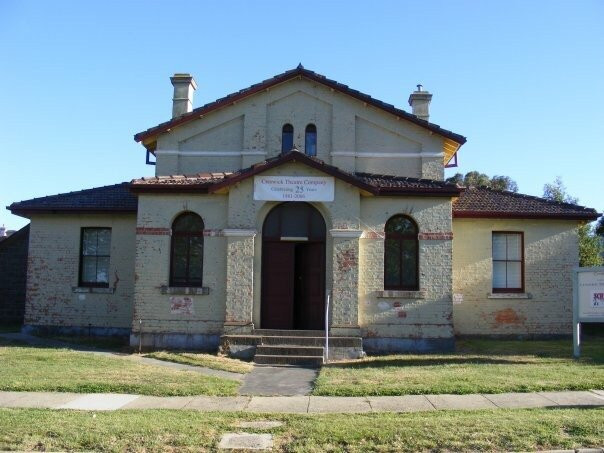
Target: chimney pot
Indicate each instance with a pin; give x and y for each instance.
(420, 103)
(184, 87)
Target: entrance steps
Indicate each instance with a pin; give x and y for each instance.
(286, 347)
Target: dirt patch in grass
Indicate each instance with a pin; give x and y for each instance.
(163, 430)
(205, 360)
(478, 366)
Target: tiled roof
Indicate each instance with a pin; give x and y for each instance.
(107, 198)
(396, 182)
(198, 179)
(473, 202)
(376, 184)
(288, 75)
(485, 202)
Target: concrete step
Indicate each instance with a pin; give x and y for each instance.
(298, 360)
(344, 342)
(241, 339)
(290, 350)
(288, 333)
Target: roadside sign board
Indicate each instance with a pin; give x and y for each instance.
(588, 300)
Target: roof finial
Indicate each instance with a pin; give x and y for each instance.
(300, 66)
(419, 87)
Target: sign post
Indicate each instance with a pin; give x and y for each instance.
(588, 300)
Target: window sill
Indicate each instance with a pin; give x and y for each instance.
(92, 290)
(396, 294)
(185, 290)
(509, 296)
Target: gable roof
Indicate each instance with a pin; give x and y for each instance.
(488, 203)
(299, 71)
(374, 184)
(114, 198)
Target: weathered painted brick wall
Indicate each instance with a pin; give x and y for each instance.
(161, 313)
(551, 252)
(345, 289)
(411, 315)
(53, 266)
(350, 134)
(13, 272)
(239, 281)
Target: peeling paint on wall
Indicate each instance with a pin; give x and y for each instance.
(181, 305)
(508, 316)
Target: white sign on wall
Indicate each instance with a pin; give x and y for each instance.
(294, 188)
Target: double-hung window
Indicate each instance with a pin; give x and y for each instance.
(508, 262)
(401, 254)
(186, 262)
(95, 247)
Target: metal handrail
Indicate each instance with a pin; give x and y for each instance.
(326, 357)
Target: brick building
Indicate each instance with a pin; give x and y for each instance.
(268, 200)
(13, 270)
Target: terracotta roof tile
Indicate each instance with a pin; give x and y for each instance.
(116, 197)
(485, 202)
(376, 184)
(198, 179)
(388, 181)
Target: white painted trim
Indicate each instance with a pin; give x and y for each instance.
(237, 232)
(374, 154)
(338, 233)
(171, 152)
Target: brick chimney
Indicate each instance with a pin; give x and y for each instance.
(420, 103)
(184, 86)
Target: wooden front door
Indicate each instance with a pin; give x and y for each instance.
(277, 308)
(293, 268)
(309, 303)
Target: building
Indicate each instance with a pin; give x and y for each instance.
(13, 271)
(265, 201)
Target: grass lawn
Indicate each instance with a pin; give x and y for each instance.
(206, 360)
(28, 368)
(166, 430)
(478, 366)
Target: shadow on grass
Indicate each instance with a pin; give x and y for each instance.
(53, 343)
(428, 361)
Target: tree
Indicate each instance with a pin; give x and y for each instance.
(504, 183)
(590, 245)
(556, 191)
(600, 227)
(476, 179)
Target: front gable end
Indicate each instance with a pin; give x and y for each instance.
(354, 131)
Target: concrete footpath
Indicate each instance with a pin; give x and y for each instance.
(303, 404)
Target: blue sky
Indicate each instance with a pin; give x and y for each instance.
(523, 80)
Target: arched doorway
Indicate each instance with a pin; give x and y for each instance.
(293, 268)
